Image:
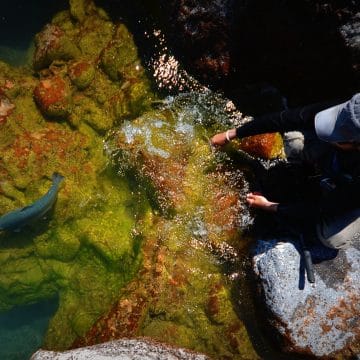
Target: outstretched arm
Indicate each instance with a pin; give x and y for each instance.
(261, 202)
(286, 120)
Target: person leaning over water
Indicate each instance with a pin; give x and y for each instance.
(326, 136)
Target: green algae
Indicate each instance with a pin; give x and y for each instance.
(169, 191)
(192, 306)
(81, 74)
(87, 248)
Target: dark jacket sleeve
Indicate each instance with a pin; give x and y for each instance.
(286, 120)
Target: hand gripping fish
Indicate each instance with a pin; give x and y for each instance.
(16, 219)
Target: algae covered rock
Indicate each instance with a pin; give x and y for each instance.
(180, 296)
(101, 82)
(81, 73)
(53, 44)
(88, 247)
(120, 59)
(53, 95)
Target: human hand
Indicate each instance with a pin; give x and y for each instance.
(256, 200)
(221, 139)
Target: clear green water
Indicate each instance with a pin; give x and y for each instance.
(22, 329)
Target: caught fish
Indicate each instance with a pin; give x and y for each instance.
(16, 219)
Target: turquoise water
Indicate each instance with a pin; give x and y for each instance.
(22, 329)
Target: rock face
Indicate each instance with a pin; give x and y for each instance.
(321, 320)
(122, 349)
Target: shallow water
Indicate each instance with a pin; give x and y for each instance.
(22, 329)
(192, 259)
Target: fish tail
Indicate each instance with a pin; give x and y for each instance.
(57, 178)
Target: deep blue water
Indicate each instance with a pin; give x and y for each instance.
(22, 329)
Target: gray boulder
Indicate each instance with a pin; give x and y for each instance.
(320, 319)
(124, 349)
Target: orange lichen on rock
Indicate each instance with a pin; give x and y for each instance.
(266, 146)
(53, 95)
(54, 145)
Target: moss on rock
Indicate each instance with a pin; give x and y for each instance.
(180, 296)
(81, 73)
(86, 249)
(53, 44)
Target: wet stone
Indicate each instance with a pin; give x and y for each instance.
(320, 319)
(123, 349)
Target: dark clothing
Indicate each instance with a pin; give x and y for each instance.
(286, 120)
(341, 167)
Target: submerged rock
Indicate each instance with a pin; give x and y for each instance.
(320, 319)
(53, 95)
(128, 349)
(180, 295)
(53, 44)
(53, 119)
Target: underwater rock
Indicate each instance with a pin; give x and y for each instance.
(126, 349)
(87, 248)
(179, 295)
(320, 319)
(53, 95)
(53, 44)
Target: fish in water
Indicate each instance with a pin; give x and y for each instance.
(16, 219)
